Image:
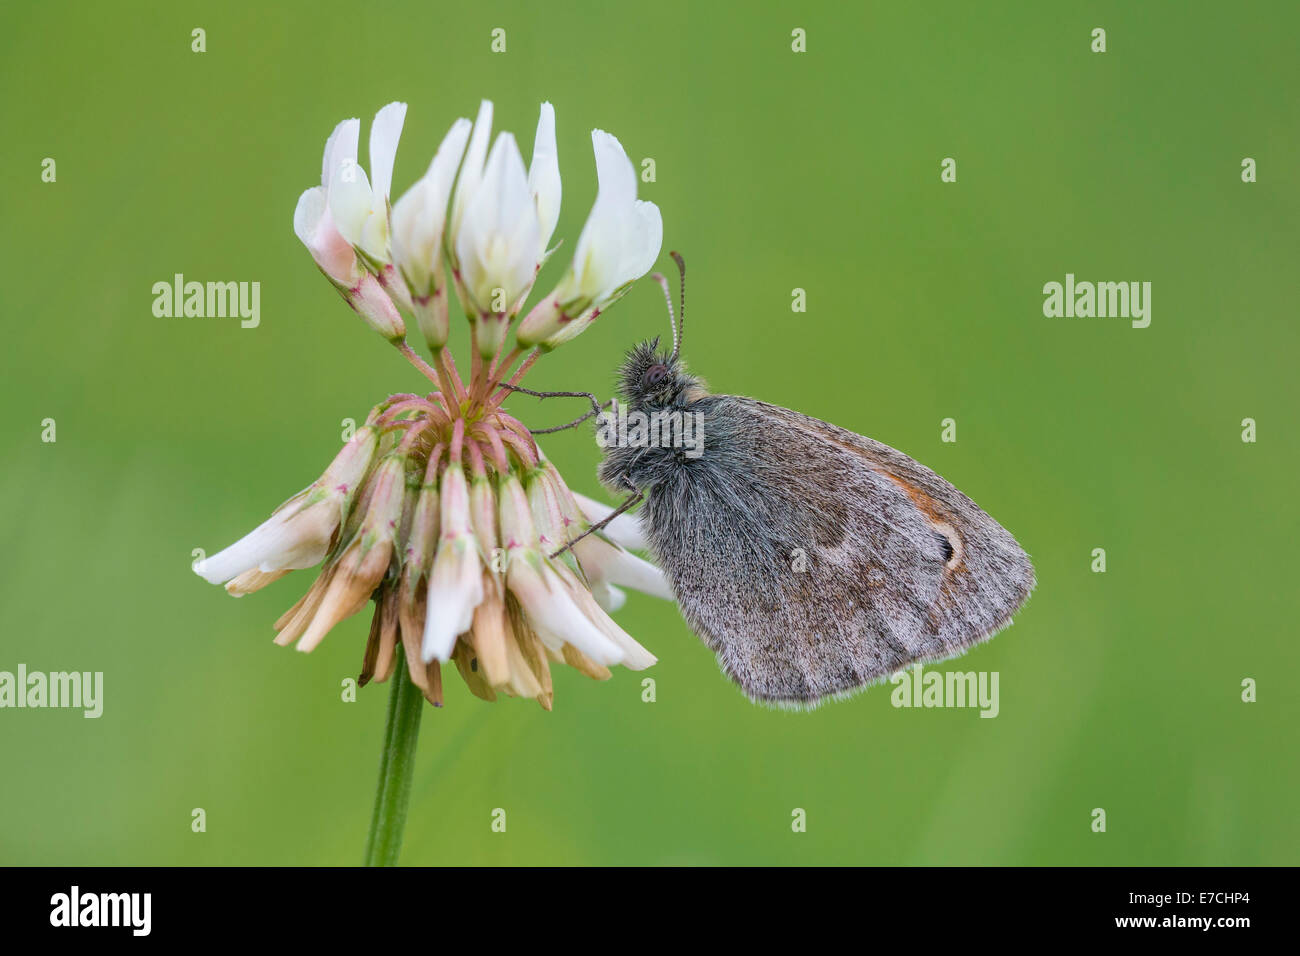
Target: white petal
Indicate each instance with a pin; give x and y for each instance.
(642, 241)
(442, 170)
(544, 175)
(471, 169)
(635, 657)
(303, 554)
(625, 530)
(550, 609)
(288, 538)
(314, 225)
(607, 596)
(622, 237)
(498, 242)
(615, 175)
(600, 255)
(415, 234)
(454, 502)
(455, 590)
(606, 562)
(374, 237)
(341, 147)
(385, 132)
(308, 213)
(419, 216)
(350, 201)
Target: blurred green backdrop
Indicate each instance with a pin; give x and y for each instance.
(775, 170)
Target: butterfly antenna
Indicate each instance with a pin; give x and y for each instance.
(668, 297)
(681, 321)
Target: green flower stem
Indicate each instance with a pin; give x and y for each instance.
(396, 765)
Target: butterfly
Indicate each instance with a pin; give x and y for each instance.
(813, 561)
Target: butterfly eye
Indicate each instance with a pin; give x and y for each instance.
(655, 376)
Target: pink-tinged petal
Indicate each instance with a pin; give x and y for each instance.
(375, 306)
(314, 225)
(349, 467)
(483, 516)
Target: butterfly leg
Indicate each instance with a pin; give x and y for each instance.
(629, 503)
(595, 409)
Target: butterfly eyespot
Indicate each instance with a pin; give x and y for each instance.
(949, 544)
(655, 376)
(946, 545)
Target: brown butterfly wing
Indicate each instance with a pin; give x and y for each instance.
(815, 561)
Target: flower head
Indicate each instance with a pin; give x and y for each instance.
(441, 509)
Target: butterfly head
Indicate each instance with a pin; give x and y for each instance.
(651, 378)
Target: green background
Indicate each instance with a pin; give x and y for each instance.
(775, 170)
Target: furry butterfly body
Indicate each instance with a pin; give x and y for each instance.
(811, 560)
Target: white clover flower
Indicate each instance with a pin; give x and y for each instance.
(441, 509)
